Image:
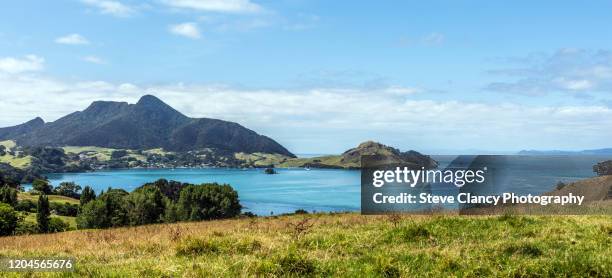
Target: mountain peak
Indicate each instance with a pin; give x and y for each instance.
(150, 100)
(36, 121)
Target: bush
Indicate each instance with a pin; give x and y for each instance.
(8, 195)
(26, 228)
(560, 185)
(8, 219)
(26, 205)
(58, 225)
(118, 154)
(65, 209)
(300, 211)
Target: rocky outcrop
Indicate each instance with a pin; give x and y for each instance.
(603, 168)
(351, 159)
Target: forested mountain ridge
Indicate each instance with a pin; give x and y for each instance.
(148, 124)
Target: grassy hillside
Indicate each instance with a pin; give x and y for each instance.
(15, 161)
(331, 160)
(104, 154)
(31, 217)
(9, 144)
(346, 245)
(52, 198)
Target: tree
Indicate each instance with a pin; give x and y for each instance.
(8, 195)
(42, 186)
(145, 206)
(114, 200)
(43, 213)
(2, 150)
(208, 201)
(87, 195)
(68, 189)
(171, 189)
(8, 220)
(93, 215)
(118, 154)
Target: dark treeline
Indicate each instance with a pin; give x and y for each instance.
(158, 202)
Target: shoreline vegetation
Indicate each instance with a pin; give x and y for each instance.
(23, 164)
(336, 244)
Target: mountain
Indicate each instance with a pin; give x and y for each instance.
(607, 151)
(351, 159)
(14, 131)
(148, 124)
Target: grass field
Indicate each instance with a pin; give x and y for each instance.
(9, 144)
(52, 198)
(17, 162)
(31, 217)
(345, 245)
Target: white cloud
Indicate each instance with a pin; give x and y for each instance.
(111, 7)
(16, 65)
(94, 60)
(312, 119)
(566, 70)
(188, 29)
(574, 84)
(433, 38)
(72, 39)
(223, 6)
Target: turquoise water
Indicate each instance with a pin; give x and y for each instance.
(290, 189)
(328, 190)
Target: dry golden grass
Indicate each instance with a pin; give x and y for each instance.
(346, 245)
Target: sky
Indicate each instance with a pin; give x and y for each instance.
(440, 77)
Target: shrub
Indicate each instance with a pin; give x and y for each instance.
(26, 205)
(65, 209)
(8, 195)
(26, 228)
(58, 225)
(118, 154)
(300, 211)
(560, 185)
(8, 219)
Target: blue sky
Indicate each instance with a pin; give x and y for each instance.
(321, 76)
